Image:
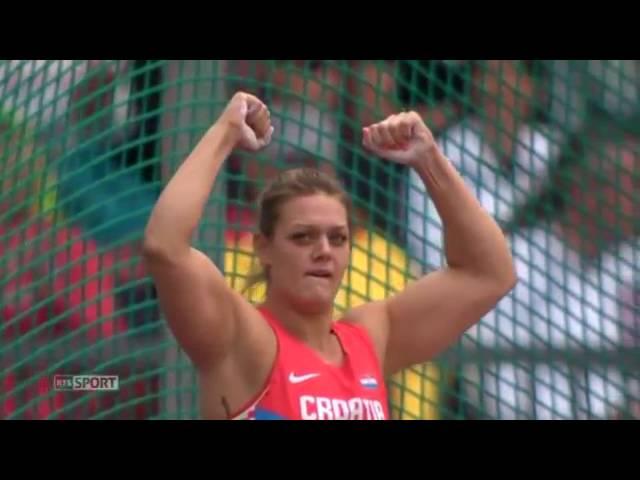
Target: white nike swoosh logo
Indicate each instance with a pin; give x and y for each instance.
(293, 378)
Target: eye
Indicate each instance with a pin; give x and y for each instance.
(338, 239)
(301, 237)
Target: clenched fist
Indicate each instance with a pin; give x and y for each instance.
(250, 119)
(401, 138)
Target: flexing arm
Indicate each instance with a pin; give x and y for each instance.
(198, 304)
(434, 311)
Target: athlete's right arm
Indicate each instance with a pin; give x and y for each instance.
(201, 309)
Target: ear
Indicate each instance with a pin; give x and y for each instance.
(261, 249)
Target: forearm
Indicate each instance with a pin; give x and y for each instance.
(473, 240)
(178, 210)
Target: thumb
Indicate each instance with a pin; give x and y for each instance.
(367, 141)
(266, 140)
(243, 108)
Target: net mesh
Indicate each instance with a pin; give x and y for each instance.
(549, 147)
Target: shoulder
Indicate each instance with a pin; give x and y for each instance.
(354, 323)
(370, 322)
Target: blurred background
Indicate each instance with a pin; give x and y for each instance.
(550, 147)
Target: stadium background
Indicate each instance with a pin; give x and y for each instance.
(550, 148)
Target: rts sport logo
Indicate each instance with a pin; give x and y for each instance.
(86, 382)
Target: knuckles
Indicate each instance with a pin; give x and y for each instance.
(403, 119)
(414, 116)
(395, 126)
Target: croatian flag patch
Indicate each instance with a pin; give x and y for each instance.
(369, 382)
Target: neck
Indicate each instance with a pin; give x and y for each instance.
(313, 328)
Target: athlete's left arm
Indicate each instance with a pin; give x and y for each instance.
(432, 312)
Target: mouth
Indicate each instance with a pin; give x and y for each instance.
(326, 274)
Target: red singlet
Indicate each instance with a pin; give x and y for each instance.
(302, 386)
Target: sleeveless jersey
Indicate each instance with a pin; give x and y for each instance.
(303, 386)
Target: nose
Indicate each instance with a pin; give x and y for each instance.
(322, 247)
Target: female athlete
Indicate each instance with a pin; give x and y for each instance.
(288, 358)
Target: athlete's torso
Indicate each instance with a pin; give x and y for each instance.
(302, 386)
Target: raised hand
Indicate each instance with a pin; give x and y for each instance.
(401, 138)
(249, 117)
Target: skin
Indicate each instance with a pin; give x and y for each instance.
(307, 258)
(229, 342)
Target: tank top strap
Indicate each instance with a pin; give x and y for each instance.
(358, 343)
(272, 321)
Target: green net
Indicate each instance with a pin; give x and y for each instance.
(549, 147)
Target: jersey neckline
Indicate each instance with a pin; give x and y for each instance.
(276, 324)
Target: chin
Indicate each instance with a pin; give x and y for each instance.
(315, 302)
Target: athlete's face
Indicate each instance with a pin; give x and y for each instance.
(309, 250)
